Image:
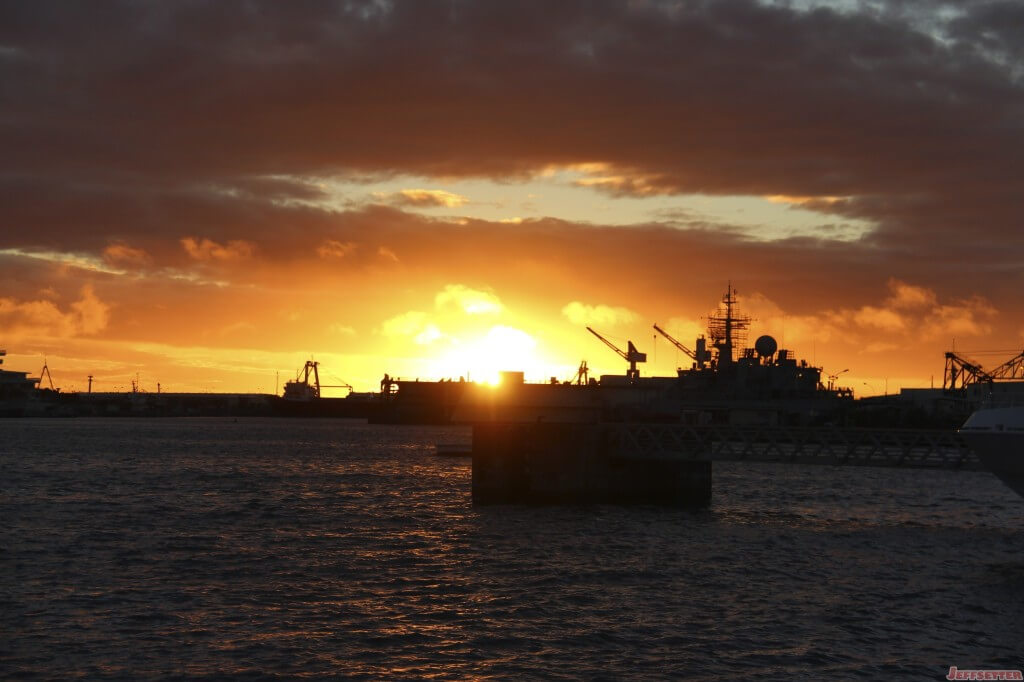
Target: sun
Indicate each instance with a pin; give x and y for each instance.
(484, 357)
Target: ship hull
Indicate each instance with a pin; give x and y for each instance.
(997, 436)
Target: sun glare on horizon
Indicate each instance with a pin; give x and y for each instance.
(484, 357)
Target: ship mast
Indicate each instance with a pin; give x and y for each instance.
(727, 328)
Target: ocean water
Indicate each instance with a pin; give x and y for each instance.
(263, 549)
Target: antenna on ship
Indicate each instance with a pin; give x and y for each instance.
(728, 329)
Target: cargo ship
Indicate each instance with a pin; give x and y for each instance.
(302, 397)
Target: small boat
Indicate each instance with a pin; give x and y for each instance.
(453, 449)
(996, 434)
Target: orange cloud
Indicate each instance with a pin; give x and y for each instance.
(966, 318)
(909, 296)
(86, 316)
(207, 249)
(120, 254)
(908, 310)
(879, 318)
(332, 248)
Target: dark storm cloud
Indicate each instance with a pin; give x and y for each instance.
(135, 121)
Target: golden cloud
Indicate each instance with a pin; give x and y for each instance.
(802, 201)
(413, 324)
(406, 324)
(635, 186)
(470, 301)
(430, 333)
(423, 198)
(341, 329)
(581, 313)
(684, 330)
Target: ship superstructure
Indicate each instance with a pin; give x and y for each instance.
(731, 371)
(727, 382)
(16, 385)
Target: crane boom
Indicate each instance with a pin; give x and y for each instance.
(630, 355)
(677, 344)
(609, 344)
(1011, 369)
(701, 356)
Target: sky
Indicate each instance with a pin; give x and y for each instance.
(204, 195)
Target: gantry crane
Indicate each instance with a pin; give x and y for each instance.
(631, 355)
(701, 356)
(960, 372)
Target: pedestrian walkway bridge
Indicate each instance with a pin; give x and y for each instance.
(908, 448)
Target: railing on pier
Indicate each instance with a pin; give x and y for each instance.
(909, 448)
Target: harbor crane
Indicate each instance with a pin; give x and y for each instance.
(700, 356)
(631, 355)
(582, 374)
(311, 367)
(961, 372)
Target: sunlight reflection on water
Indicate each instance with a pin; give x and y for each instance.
(202, 547)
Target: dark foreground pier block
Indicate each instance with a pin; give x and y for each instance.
(577, 463)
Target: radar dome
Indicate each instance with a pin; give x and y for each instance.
(765, 346)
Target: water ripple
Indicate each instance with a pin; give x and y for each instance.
(204, 548)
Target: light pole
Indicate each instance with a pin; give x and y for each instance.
(832, 379)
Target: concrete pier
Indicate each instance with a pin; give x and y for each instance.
(578, 463)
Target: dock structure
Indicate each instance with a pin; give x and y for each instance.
(837, 446)
(671, 464)
(654, 439)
